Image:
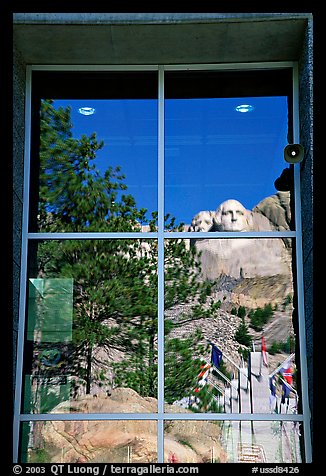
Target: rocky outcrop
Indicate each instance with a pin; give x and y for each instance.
(124, 441)
(276, 209)
(243, 258)
(247, 257)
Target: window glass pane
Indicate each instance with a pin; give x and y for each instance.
(224, 141)
(231, 342)
(91, 327)
(94, 161)
(118, 441)
(232, 442)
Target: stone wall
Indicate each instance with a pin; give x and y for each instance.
(306, 139)
(18, 177)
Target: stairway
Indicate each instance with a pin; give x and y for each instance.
(256, 442)
(248, 396)
(259, 384)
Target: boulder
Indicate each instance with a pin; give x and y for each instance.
(123, 441)
(276, 209)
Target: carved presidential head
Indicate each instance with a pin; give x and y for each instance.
(231, 215)
(203, 221)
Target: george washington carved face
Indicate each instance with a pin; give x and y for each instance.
(231, 215)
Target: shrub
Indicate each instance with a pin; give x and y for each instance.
(242, 334)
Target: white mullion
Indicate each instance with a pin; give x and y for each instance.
(88, 235)
(87, 416)
(229, 66)
(230, 234)
(234, 416)
(299, 277)
(162, 417)
(23, 270)
(169, 67)
(160, 270)
(167, 234)
(94, 67)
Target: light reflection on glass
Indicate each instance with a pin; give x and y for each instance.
(91, 341)
(232, 442)
(124, 441)
(244, 108)
(95, 168)
(86, 111)
(230, 345)
(214, 153)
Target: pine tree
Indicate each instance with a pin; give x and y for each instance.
(115, 280)
(242, 334)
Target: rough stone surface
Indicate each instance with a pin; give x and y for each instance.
(276, 208)
(248, 257)
(132, 441)
(243, 258)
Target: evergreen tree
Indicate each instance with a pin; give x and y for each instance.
(115, 280)
(242, 334)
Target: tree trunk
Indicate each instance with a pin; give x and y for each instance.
(151, 364)
(88, 369)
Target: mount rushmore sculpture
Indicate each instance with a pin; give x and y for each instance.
(244, 257)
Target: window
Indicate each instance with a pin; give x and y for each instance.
(162, 272)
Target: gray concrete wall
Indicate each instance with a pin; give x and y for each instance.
(306, 136)
(18, 174)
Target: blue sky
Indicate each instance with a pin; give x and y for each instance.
(212, 152)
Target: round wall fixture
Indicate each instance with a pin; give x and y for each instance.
(244, 108)
(86, 111)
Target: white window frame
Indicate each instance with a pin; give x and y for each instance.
(161, 235)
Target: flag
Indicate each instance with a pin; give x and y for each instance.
(264, 351)
(272, 397)
(285, 392)
(204, 371)
(286, 373)
(273, 403)
(272, 385)
(216, 356)
(202, 376)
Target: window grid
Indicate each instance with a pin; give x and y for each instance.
(161, 236)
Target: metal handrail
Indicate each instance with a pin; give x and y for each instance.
(281, 365)
(230, 360)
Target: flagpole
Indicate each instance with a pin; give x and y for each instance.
(250, 388)
(239, 392)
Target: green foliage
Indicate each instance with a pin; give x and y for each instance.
(242, 334)
(260, 317)
(205, 401)
(182, 365)
(288, 300)
(277, 347)
(115, 280)
(223, 369)
(244, 353)
(40, 455)
(73, 195)
(241, 311)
